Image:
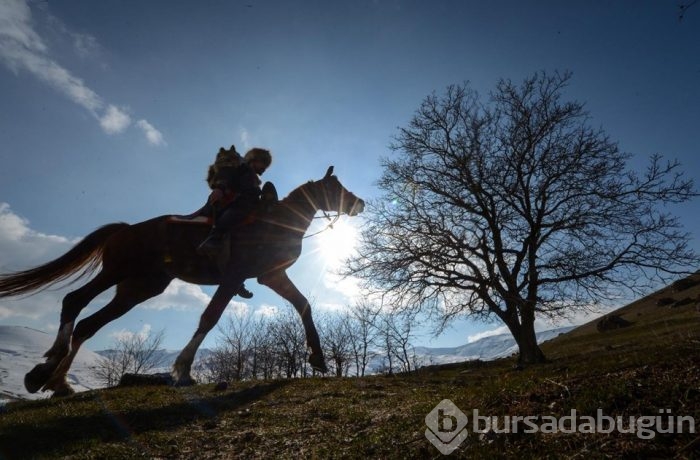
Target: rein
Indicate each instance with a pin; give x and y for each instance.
(327, 227)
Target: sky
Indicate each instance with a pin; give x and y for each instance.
(113, 110)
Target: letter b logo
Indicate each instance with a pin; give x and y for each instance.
(447, 422)
(446, 426)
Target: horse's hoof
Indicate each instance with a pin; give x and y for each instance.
(64, 391)
(37, 377)
(318, 363)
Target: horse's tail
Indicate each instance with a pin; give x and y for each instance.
(85, 255)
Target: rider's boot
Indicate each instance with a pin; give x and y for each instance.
(245, 293)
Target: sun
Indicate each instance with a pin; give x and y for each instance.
(338, 243)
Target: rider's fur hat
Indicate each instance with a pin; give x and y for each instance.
(257, 153)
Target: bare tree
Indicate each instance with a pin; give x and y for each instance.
(263, 359)
(217, 366)
(337, 337)
(363, 333)
(228, 361)
(395, 331)
(515, 206)
(237, 336)
(289, 342)
(133, 353)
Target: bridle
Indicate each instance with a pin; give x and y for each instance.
(331, 219)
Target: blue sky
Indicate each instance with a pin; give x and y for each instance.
(112, 110)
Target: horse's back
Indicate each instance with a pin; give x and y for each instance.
(149, 245)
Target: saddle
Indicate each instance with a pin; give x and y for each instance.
(204, 216)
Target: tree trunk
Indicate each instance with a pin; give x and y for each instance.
(524, 333)
(530, 352)
(338, 367)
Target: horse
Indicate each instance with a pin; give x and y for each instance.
(142, 259)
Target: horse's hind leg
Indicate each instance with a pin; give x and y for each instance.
(130, 293)
(73, 303)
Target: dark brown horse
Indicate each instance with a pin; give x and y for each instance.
(142, 259)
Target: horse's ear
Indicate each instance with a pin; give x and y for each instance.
(329, 173)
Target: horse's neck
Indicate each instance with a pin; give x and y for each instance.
(300, 209)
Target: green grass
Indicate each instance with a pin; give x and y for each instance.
(653, 364)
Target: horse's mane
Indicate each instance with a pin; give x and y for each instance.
(298, 193)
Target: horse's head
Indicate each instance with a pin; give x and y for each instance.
(330, 195)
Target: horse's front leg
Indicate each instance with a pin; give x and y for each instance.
(217, 305)
(282, 285)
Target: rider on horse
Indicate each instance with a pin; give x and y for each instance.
(235, 184)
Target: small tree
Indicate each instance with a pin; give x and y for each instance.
(263, 358)
(243, 351)
(363, 334)
(515, 207)
(394, 333)
(131, 353)
(337, 341)
(289, 344)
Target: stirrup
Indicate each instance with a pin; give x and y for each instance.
(211, 244)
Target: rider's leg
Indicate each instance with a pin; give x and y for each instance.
(229, 218)
(224, 223)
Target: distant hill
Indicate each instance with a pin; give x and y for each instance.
(21, 348)
(485, 349)
(672, 312)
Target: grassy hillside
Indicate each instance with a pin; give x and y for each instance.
(651, 365)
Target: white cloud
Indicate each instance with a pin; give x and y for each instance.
(348, 287)
(15, 25)
(114, 120)
(126, 335)
(179, 296)
(21, 247)
(333, 307)
(267, 310)
(12, 226)
(23, 49)
(153, 136)
(236, 308)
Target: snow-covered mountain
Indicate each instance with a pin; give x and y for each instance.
(485, 349)
(21, 348)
